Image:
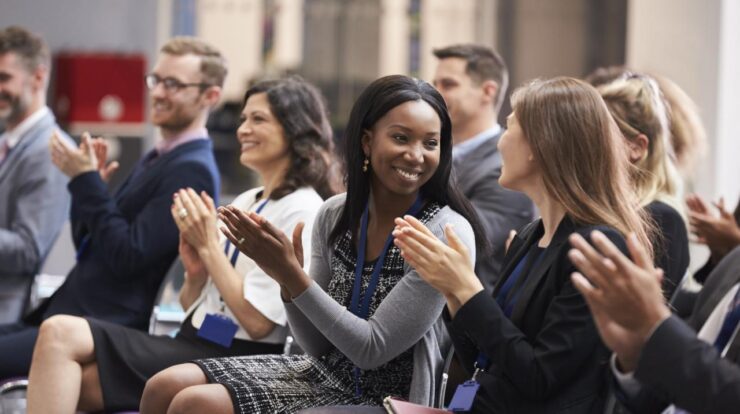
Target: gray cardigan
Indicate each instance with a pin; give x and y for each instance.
(409, 315)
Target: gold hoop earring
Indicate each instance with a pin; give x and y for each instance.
(365, 164)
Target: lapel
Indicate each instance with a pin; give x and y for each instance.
(18, 153)
(133, 185)
(541, 270)
(473, 160)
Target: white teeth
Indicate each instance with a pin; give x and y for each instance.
(408, 175)
(248, 145)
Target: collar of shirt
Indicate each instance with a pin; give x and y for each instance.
(710, 330)
(165, 146)
(470, 145)
(14, 137)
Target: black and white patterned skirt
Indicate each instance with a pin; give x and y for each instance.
(279, 383)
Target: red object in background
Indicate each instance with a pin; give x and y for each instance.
(99, 90)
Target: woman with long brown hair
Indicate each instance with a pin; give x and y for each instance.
(533, 343)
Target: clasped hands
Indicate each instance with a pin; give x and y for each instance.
(91, 155)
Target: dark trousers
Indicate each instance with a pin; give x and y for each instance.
(16, 349)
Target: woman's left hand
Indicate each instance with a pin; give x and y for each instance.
(195, 217)
(447, 268)
(270, 248)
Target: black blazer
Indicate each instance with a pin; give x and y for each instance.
(548, 358)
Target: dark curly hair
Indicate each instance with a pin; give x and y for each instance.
(300, 110)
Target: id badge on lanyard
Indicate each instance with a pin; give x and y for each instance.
(363, 309)
(465, 393)
(217, 327)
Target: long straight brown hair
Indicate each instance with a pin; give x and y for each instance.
(580, 152)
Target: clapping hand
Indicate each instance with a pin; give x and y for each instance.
(280, 257)
(70, 160)
(100, 148)
(447, 268)
(625, 298)
(195, 217)
(721, 233)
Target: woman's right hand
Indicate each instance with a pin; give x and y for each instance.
(194, 266)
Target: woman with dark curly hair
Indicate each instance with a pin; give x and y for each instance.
(233, 307)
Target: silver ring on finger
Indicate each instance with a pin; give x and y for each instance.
(182, 213)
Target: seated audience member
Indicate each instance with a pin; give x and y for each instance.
(658, 360)
(127, 241)
(370, 325)
(33, 199)
(636, 105)
(286, 138)
(721, 233)
(687, 134)
(473, 80)
(532, 346)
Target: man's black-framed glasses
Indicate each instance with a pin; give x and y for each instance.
(170, 84)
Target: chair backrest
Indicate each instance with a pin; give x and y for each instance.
(167, 313)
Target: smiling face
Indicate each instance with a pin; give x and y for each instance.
(17, 89)
(262, 139)
(464, 98)
(404, 148)
(175, 111)
(518, 169)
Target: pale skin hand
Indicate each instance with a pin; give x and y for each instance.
(195, 270)
(73, 161)
(720, 233)
(446, 268)
(106, 170)
(625, 298)
(278, 256)
(198, 230)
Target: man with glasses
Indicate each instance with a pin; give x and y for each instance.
(126, 242)
(33, 198)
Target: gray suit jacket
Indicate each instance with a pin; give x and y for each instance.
(34, 204)
(500, 210)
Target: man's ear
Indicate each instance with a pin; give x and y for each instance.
(40, 77)
(212, 95)
(490, 91)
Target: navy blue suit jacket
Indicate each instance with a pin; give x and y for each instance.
(132, 236)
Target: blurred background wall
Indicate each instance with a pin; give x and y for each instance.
(342, 45)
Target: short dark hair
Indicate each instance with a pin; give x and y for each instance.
(30, 48)
(482, 64)
(212, 62)
(374, 102)
(299, 108)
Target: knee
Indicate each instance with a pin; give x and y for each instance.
(60, 331)
(195, 400)
(161, 389)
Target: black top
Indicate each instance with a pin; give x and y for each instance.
(672, 250)
(547, 356)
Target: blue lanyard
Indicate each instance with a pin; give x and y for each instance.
(227, 246)
(364, 310)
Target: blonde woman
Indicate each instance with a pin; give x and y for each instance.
(636, 104)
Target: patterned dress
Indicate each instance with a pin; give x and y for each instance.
(286, 384)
